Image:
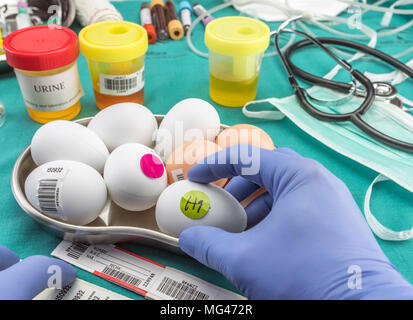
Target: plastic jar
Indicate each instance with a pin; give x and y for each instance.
(115, 51)
(236, 48)
(44, 60)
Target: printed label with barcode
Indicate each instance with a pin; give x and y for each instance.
(180, 290)
(138, 274)
(79, 290)
(49, 196)
(76, 249)
(122, 85)
(178, 174)
(122, 276)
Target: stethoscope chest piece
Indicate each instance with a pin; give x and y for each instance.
(383, 92)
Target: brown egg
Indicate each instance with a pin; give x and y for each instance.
(244, 134)
(186, 156)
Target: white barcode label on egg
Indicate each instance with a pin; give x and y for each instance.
(178, 174)
(49, 196)
(122, 85)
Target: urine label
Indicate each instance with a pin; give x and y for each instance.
(138, 274)
(51, 93)
(122, 85)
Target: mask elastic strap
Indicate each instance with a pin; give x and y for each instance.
(380, 230)
(268, 114)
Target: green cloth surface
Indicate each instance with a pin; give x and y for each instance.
(174, 73)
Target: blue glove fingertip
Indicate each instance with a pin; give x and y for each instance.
(7, 258)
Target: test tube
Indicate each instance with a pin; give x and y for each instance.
(2, 114)
(175, 29)
(146, 21)
(157, 8)
(23, 19)
(200, 10)
(185, 11)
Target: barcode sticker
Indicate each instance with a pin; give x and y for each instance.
(49, 196)
(177, 285)
(76, 249)
(122, 85)
(180, 291)
(122, 276)
(178, 174)
(79, 290)
(138, 274)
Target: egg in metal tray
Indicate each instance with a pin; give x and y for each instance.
(67, 190)
(66, 140)
(186, 203)
(190, 119)
(135, 176)
(125, 123)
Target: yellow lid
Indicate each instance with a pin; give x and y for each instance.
(233, 36)
(113, 41)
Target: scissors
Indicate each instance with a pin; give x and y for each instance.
(370, 91)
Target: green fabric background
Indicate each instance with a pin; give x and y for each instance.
(174, 73)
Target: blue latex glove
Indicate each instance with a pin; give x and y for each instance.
(306, 237)
(26, 279)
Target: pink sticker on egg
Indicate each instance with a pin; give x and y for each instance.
(152, 166)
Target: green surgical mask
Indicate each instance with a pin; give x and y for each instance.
(350, 141)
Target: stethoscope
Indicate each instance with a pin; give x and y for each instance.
(372, 91)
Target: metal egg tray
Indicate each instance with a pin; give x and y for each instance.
(113, 225)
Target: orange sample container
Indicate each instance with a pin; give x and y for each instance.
(115, 51)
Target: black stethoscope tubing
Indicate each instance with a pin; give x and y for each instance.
(355, 116)
(336, 85)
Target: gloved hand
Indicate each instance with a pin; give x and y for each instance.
(26, 279)
(306, 237)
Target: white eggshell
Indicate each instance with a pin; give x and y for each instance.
(68, 190)
(123, 123)
(66, 140)
(128, 185)
(224, 210)
(188, 120)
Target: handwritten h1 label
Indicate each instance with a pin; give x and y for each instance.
(195, 204)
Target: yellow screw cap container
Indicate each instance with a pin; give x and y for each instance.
(115, 51)
(236, 48)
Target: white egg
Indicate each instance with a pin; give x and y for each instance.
(185, 204)
(68, 190)
(123, 123)
(135, 176)
(66, 140)
(188, 120)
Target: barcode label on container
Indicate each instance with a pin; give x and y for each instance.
(180, 290)
(122, 85)
(48, 195)
(178, 175)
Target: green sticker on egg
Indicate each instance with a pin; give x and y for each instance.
(195, 204)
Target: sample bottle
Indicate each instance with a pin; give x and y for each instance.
(115, 52)
(236, 48)
(44, 60)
